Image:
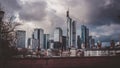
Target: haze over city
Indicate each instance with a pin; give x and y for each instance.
(100, 16)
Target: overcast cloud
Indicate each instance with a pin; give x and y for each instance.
(101, 16)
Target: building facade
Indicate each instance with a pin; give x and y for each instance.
(71, 32)
(46, 41)
(58, 38)
(74, 34)
(63, 42)
(38, 35)
(85, 36)
(21, 38)
(78, 42)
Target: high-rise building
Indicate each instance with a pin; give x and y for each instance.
(63, 42)
(35, 43)
(57, 38)
(29, 43)
(38, 35)
(69, 21)
(85, 36)
(21, 38)
(46, 41)
(78, 42)
(91, 42)
(71, 32)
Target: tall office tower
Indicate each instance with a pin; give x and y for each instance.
(63, 42)
(91, 42)
(57, 38)
(71, 32)
(35, 43)
(21, 38)
(85, 36)
(78, 42)
(29, 43)
(38, 35)
(46, 41)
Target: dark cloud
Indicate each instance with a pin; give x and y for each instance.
(98, 15)
(114, 37)
(107, 32)
(104, 12)
(35, 11)
(10, 6)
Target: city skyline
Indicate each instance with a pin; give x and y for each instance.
(101, 17)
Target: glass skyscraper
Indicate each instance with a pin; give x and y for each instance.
(71, 32)
(21, 38)
(85, 36)
(46, 41)
(38, 35)
(57, 37)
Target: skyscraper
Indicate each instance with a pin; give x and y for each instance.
(38, 35)
(85, 36)
(91, 42)
(46, 41)
(29, 43)
(57, 38)
(78, 42)
(63, 42)
(21, 38)
(71, 32)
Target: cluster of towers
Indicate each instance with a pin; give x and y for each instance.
(40, 40)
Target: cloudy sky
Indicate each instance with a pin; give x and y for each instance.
(100, 16)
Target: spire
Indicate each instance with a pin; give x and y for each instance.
(68, 12)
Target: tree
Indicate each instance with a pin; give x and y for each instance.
(7, 37)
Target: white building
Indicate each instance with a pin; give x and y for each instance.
(100, 52)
